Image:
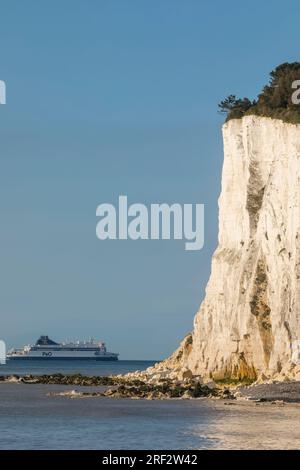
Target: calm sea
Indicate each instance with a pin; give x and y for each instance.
(24, 367)
(29, 419)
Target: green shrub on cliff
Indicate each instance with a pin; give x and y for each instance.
(280, 99)
(234, 107)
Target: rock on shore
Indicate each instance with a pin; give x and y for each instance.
(127, 386)
(149, 385)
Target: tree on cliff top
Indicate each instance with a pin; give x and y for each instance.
(274, 101)
(234, 106)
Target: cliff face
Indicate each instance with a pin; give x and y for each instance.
(250, 318)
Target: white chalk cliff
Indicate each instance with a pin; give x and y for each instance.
(249, 322)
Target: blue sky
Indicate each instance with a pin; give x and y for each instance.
(110, 97)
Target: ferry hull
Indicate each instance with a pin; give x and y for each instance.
(66, 358)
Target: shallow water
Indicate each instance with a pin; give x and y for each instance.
(29, 419)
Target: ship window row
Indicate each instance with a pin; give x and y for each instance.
(65, 349)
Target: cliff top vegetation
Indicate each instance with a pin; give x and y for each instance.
(280, 99)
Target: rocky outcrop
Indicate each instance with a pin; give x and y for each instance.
(249, 321)
(125, 386)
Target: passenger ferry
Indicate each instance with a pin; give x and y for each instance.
(45, 348)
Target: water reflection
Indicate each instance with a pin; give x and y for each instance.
(251, 426)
